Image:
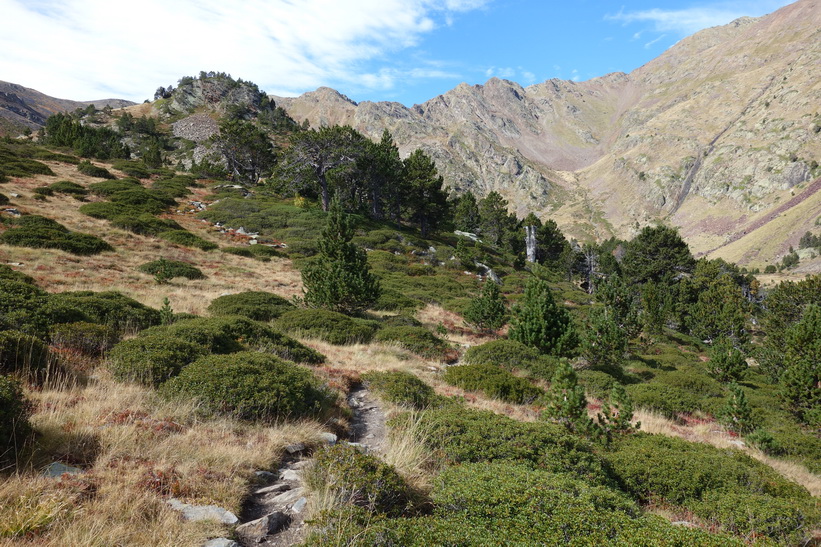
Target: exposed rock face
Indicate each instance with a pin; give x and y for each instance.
(729, 116)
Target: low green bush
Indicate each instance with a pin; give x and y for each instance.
(671, 470)
(107, 308)
(4, 199)
(263, 253)
(460, 435)
(597, 384)
(89, 169)
(42, 233)
(199, 331)
(147, 201)
(43, 191)
(68, 187)
(136, 169)
(171, 269)
(144, 223)
(252, 386)
(21, 304)
(400, 320)
(418, 340)
(6, 272)
(401, 388)
(177, 186)
(494, 382)
(394, 300)
(330, 326)
(22, 353)
(108, 211)
(360, 479)
(87, 338)
(257, 305)
(666, 399)
(13, 164)
(151, 360)
(14, 414)
(187, 239)
(787, 521)
(111, 187)
(512, 355)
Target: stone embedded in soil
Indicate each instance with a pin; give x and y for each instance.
(220, 542)
(299, 505)
(265, 475)
(276, 488)
(289, 497)
(328, 438)
(289, 475)
(203, 512)
(295, 448)
(256, 530)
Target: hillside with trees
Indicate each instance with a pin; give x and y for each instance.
(248, 329)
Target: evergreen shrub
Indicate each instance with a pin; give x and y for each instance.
(401, 388)
(361, 480)
(14, 413)
(7, 273)
(87, 338)
(143, 223)
(4, 199)
(87, 168)
(494, 382)
(23, 353)
(187, 239)
(263, 253)
(136, 169)
(68, 187)
(418, 340)
(252, 386)
(43, 233)
(512, 355)
(148, 201)
(330, 326)
(172, 268)
(107, 308)
(151, 360)
(256, 305)
(111, 187)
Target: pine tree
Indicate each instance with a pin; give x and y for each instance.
(426, 201)
(801, 381)
(488, 312)
(166, 312)
(466, 213)
(616, 417)
(737, 414)
(540, 323)
(566, 402)
(339, 278)
(727, 364)
(603, 342)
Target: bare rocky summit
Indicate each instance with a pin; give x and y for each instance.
(713, 135)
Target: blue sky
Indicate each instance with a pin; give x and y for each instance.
(400, 50)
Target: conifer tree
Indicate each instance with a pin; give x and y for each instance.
(487, 312)
(426, 201)
(339, 279)
(727, 364)
(801, 381)
(616, 416)
(466, 213)
(540, 323)
(566, 402)
(737, 414)
(603, 343)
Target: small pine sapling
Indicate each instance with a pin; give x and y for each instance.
(566, 403)
(616, 417)
(488, 312)
(737, 415)
(727, 364)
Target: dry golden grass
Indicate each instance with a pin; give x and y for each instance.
(136, 450)
(57, 271)
(407, 453)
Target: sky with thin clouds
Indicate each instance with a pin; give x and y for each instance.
(407, 51)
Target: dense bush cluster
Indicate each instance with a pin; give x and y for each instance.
(22, 353)
(87, 168)
(187, 239)
(401, 388)
(14, 163)
(251, 386)
(40, 232)
(418, 340)
(327, 325)
(494, 382)
(263, 253)
(171, 268)
(257, 305)
(152, 359)
(84, 337)
(513, 356)
(62, 187)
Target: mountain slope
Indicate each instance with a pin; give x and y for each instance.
(724, 125)
(21, 107)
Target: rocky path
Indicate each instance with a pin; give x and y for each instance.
(274, 514)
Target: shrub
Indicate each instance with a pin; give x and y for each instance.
(111, 187)
(668, 400)
(21, 305)
(330, 326)
(461, 435)
(418, 340)
(665, 469)
(727, 364)
(512, 355)
(187, 239)
(360, 479)
(136, 169)
(143, 223)
(146, 200)
(107, 308)
(537, 321)
(257, 305)
(14, 413)
(596, 383)
(172, 268)
(400, 321)
(87, 338)
(494, 382)
(6, 272)
(393, 300)
(199, 331)
(176, 187)
(789, 522)
(487, 312)
(107, 210)
(40, 232)
(263, 253)
(252, 386)
(151, 360)
(68, 187)
(13, 164)
(87, 168)
(401, 388)
(20, 352)
(4, 199)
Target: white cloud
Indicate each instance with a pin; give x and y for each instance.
(574, 75)
(649, 44)
(89, 49)
(686, 21)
